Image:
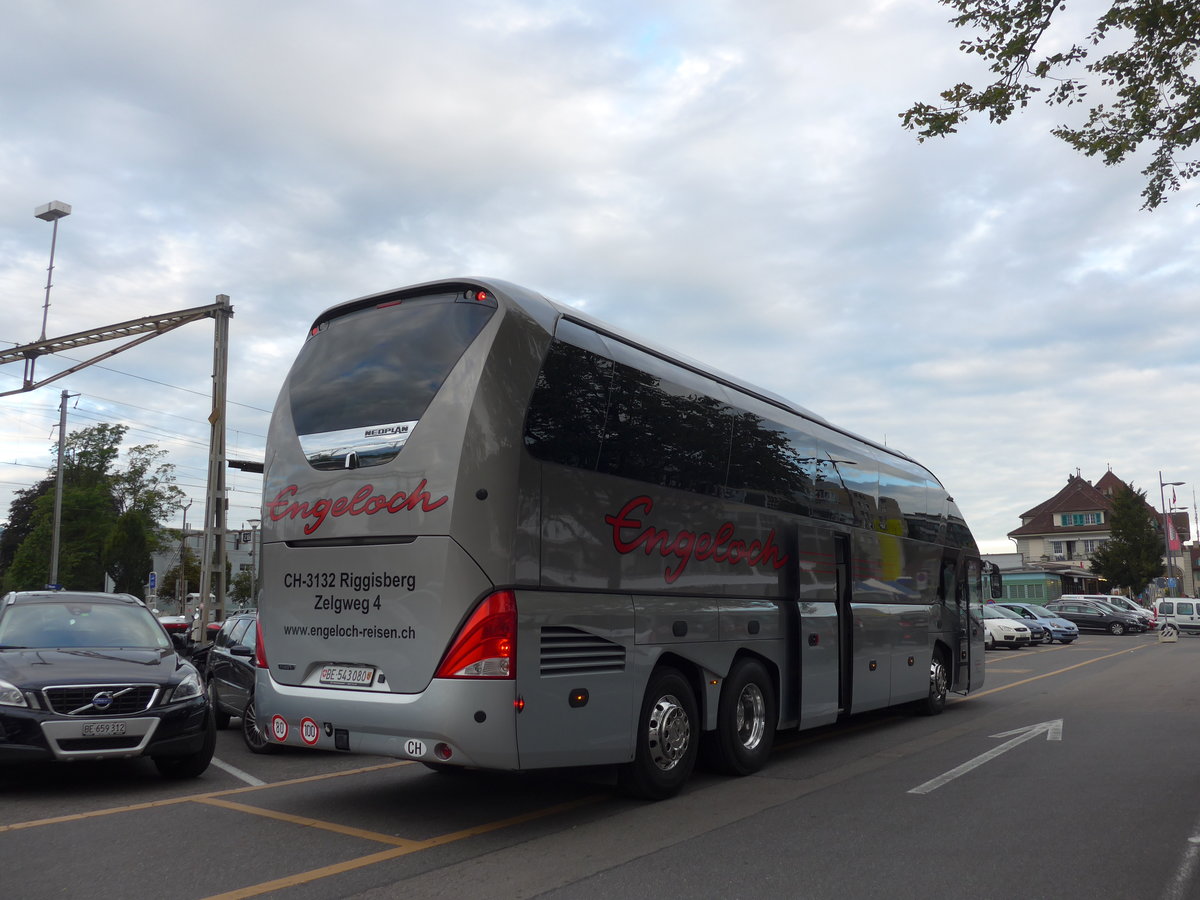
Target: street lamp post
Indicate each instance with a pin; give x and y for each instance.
(1162, 496)
(51, 212)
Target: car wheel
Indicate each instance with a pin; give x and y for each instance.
(220, 717)
(194, 764)
(1116, 628)
(666, 742)
(252, 735)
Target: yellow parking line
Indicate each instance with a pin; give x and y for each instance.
(1086, 662)
(310, 823)
(190, 798)
(360, 862)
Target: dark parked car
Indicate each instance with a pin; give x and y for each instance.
(95, 676)
(1092, 615)
(231, 674)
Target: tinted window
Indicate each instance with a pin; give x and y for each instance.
(664, 432)
(377, 370)
(565, 422)
(238, 634)
(1184, 609)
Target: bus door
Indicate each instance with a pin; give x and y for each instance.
(954, 596)
(845, 617)
(820, 645)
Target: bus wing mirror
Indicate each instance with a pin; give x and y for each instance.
(995, 581)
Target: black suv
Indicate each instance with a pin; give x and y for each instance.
(1092, 615)
(231, 671)
(95, 676)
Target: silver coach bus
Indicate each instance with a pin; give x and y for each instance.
(499, 533)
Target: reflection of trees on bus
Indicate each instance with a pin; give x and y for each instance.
(661, 424)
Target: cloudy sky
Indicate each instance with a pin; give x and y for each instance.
(729, 179)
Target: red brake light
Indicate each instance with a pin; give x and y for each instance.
(486, 646)
(481, 296)
(260, 651)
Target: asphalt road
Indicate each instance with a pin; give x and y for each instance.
(1074, 773)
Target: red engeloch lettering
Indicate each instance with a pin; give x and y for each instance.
(723, 546)
(364, 502)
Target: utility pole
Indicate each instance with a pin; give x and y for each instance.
(181, 589)
(56, 539)
(212, 571)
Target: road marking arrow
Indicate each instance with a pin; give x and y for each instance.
(1052, 730)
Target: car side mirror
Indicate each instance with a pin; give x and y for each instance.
(241, 650)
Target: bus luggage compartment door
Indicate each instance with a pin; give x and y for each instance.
(575, 679)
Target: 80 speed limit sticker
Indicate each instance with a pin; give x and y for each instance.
(279, 728)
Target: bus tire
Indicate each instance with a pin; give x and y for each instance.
(666, 741)
(746, 717)
(939, 686)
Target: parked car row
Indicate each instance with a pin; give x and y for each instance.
(1093, 614)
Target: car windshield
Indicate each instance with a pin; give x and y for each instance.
(80, 624)
(994, 612)
(1005, 613)
(1040, 612)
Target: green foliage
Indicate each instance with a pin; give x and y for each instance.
(127, 553)
(109, 516)
(1133, 555)
(169, 588)
(1152, 97)
(241, 588)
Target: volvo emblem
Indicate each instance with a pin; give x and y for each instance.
(103, 700)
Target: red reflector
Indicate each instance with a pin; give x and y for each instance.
(316, 330)
(260, 649)
(389, 303)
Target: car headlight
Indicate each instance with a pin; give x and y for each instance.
(10, 694)
(190, 687)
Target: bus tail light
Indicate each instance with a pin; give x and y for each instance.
(260, 651)
(486, 646)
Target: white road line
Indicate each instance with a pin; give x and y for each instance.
(1180, 885)
(1052, 730)
(237, 773)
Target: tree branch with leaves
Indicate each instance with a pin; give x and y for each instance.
(1150, 89)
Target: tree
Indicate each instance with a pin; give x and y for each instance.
(1133, 555)
(1152, 96)
(109, 516)
(127, 552)
(241, 588)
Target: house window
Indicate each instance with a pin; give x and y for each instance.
(1056, 547)
(1068, 520)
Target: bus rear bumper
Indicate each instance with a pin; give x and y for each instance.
(457, 722)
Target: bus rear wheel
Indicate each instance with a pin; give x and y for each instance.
(666, 742)
(746, 717)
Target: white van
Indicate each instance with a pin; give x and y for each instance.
(1182, 612)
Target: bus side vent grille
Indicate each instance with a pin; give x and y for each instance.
(570, 651)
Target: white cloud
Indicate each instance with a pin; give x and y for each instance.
(729, 180)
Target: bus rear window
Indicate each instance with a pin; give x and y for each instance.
(362, 383)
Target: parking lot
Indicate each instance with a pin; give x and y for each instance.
(304, 824)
